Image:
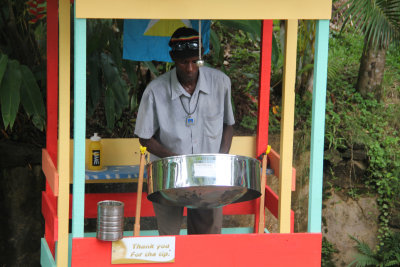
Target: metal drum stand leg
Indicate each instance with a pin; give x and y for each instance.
(136, 230)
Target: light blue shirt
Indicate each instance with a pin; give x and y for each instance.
(161, 113)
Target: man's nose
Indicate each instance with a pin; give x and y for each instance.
(190, 67)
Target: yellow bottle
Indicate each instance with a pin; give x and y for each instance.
(95, 156)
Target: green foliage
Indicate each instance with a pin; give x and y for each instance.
(249, 122)
(379, 20)
(113, 83)
(391, 79)
(18, 85)
(21, 81)
(386, 255)
(328, 249)
(353, 120)
(238, 41)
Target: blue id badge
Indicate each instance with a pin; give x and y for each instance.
(189, 121)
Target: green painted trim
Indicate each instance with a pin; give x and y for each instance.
(46, 258)
(69, 250)
(318, 126)
(78, 206)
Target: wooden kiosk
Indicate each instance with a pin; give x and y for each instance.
(64, 163)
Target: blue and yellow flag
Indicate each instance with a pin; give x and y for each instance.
(147, 39)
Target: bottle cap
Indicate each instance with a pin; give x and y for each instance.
(95, 137)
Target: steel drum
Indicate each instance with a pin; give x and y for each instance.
(203, 180)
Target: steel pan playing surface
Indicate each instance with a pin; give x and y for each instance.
(203, 180)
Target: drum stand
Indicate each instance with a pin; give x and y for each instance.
(136, 230)
(261, 222)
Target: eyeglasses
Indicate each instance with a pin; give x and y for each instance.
(184, 46)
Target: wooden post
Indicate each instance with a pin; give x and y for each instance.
(261, 223)
(136, 230)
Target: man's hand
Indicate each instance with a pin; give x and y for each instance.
(155, 148)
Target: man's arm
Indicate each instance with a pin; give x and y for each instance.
(155, 148)
(227, 135)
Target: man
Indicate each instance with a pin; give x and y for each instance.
(186, 111)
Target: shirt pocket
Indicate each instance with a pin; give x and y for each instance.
(213, 126)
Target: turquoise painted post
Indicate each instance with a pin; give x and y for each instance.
(318, 126)
(78, 202)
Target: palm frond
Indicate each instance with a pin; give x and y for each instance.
(366, 260)
(379, 20)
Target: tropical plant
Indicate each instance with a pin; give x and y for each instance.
(379, 21)
(18, 85)
(387, 255)
(114, 84)
(21, 62)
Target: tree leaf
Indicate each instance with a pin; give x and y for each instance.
(152, 68)
(94, 88)
(31, 97)
(3, 66)
(10, 93)
(251, 26)
(109, 108)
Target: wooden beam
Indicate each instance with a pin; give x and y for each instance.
(274, 161)
(64, 130)
(52, 79)
(318, 126)
(208, 9)
(129, 199)
(79, 126)
(287, 125)
(50, 171)
(301, 249)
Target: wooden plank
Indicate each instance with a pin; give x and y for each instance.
(274, 161)
(64, 130)
(50, 215)
(50, 227)
(79, 127)
(263, 99)
(46, 258)
(318, 126)
(264, 85)
(129, 200)
(125, 151)
(52, 79)
(243, 146)
(49, 236)
(231, 250)
(287, 125)
(50, 171)
(208, 9)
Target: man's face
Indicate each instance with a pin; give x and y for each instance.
(187, 69)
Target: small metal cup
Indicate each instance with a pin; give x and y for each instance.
(110, 220)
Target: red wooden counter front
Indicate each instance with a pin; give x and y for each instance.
(230, 250)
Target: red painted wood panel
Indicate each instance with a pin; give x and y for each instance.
(129, 200)
(49, 236)
(49, 212)
(52, 79)
(236, 250)
(273, 162)
(263, 96)
(50, 171)
(265, 79)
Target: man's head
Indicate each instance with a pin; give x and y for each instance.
(184, 52)
(184, 43)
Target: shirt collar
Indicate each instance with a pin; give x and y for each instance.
(177, 89)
